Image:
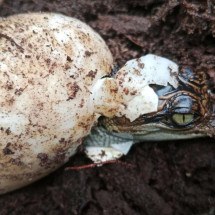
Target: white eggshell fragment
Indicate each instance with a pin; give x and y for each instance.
(105, 97)
(134, 79)
(101, 145)
(48, 66)
(149, 69)
(128, 93)
(102, 154)
(146, 101)
(99, 154)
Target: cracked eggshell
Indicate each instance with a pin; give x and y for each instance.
(112, 152)
(149, 69)
(134, 79)
(48, 65)
(105, 97)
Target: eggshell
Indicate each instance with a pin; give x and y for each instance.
(149, 69)
(48, 65)
(134, 81)
(129, 93)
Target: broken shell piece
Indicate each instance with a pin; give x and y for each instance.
(102, 154)
(149, 69)
(145, 101)
(105, 97)
(128, 93)
(134, 79)
(102, 146)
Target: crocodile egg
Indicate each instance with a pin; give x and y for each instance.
(48, 66)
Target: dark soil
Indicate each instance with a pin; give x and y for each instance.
(165, 177)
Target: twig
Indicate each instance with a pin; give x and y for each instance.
(93, 165)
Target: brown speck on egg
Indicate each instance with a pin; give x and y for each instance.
(68, 58)
(81, 105)
(16, 161)
(8, 131)
(73, 89)
(133, 92)
(10, 101)
(9, 85)
(7, 150)
(62, 140)
(19, 91)
(88, 53)
(126, 91)
(92, 74)
(44, 159)
(140, 64)
(60, 155)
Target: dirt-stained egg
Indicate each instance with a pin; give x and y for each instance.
(48, 66)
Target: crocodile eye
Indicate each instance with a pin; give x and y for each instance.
(182, 119)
